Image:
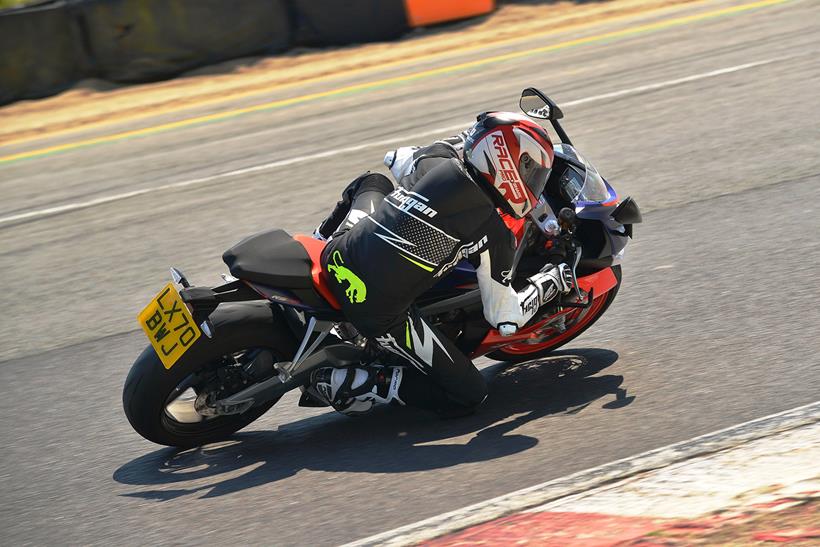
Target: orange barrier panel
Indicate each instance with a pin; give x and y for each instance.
(429, 12)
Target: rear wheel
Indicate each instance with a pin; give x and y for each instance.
(577, 321)
(161, 404)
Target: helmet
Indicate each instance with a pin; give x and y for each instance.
(510, 157)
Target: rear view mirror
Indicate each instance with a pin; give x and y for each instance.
(537, 105)
(627, 212)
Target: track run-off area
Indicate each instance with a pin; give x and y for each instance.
(710, 124)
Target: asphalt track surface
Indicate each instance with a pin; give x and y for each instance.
(716, 322)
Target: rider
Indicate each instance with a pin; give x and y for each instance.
(387, 247)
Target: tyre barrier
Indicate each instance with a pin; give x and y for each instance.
(50, 45)
(329, 23)
(421, 13)
(325, 23)
(40, 51)
(141, 40)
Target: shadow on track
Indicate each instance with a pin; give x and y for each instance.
(389, 440)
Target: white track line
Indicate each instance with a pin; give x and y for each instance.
(68, 207)
(585, 480)
(670, 83)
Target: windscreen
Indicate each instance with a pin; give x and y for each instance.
(580, 183)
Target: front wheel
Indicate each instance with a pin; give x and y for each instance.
(576, 323)
(161, 404)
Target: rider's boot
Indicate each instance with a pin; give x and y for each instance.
(356, 390)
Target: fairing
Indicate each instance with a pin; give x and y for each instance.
(594, 200)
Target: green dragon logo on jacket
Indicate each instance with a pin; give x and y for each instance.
(356, 292)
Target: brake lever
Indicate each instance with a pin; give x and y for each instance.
(590, 298)
(576, 260)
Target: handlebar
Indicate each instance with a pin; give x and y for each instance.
(567, 219)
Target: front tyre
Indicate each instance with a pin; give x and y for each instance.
(152, 395)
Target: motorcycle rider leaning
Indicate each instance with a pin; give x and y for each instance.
(388, 246)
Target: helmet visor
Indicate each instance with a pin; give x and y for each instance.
(534, 175)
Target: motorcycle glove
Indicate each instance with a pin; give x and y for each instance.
(551, 281)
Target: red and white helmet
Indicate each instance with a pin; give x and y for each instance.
(511, 157)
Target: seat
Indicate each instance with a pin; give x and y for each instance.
(314, 248)
(271, 258)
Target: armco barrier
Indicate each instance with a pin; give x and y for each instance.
(139, 40)
(40, 51)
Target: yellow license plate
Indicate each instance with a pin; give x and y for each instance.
(168, 325)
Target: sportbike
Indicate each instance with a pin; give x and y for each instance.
(220, 357)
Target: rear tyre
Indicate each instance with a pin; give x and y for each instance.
(526, 352)
(150, 388)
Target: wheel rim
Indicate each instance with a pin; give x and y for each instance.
(180, 409)
(576, 321)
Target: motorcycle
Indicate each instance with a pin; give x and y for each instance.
(220, 357)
